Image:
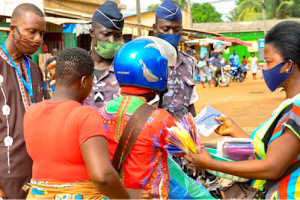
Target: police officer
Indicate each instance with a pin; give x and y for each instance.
(180, 95)
(106, 33)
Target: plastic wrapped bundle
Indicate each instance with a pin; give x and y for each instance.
(183, 187)
(238, 151)
(236, 148)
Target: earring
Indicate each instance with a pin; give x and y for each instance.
(287, 71)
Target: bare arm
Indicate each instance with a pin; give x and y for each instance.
(278, 158)
(96, 157)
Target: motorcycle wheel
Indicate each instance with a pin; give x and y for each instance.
(224, 80)
(242, 78)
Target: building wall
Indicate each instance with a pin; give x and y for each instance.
(73, 6)
(242, 50)
(85, 7)
(148, 19)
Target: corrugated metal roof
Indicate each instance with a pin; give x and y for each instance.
(244, 26)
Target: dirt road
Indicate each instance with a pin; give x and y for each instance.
(248, 103)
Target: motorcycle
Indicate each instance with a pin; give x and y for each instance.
(221, 77)
(237, 72)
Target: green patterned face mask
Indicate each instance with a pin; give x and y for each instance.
(108, 50)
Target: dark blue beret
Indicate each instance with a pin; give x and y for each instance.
(169, 11)
(109, 16)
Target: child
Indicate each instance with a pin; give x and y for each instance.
(66, 141)
(244, 61)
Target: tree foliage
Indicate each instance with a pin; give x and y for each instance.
(153, 7)
(182, 4)
(251, 10)
(205, 12)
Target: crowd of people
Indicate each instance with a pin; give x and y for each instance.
(102, 134)
(208, 64)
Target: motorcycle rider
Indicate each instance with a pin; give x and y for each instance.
(216, 61)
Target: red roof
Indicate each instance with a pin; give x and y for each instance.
(234, 41)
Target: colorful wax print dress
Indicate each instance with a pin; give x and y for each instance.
(146, 167)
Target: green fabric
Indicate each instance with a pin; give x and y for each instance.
(108, 50)
(113, 105)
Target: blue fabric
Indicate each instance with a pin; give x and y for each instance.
(274, 78)
(109, 16)
(180, 191)
(173, 39)
(203, 51)
(169, 11)
(234, 60)
(68, 28)
(52, 88)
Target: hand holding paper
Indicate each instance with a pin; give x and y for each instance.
(206, 121)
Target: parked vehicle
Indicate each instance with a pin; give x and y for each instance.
(221, 77)
(237, 72)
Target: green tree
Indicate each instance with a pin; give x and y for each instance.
(182, 4)
(296, 9)
(153, 7)
(279, 9)
(205, 13)
(251, 10)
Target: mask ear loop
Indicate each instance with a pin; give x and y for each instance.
(17, 32)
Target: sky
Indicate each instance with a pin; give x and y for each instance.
(222, 6)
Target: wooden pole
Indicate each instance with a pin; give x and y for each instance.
(138, 14)
(190, 21)
(264, 17)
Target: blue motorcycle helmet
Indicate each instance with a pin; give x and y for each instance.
(143, 63)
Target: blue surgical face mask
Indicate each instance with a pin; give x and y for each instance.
(173, 39)
(274, 78)
(216, 55)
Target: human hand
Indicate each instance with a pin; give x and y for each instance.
(2, 194)
(51, 69)
(138, 194)
(229, 127)
(201, 160)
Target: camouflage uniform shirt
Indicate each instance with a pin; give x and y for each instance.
(104, 89)
(180, 86)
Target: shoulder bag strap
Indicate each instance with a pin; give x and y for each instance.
(291, 169)
(127, 140)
